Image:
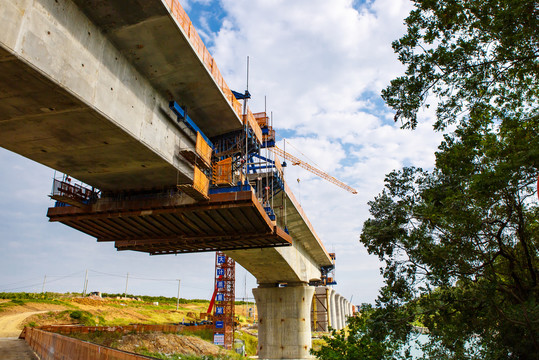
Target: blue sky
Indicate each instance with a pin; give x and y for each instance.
(321, 64)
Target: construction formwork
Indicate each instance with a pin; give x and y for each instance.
(320, 309)
(223, 317)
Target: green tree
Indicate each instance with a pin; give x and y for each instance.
(478, 57)
(360, 340)
(460, 243)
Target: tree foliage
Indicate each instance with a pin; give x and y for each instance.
(360, 340)
(475, 56)
(460, 243)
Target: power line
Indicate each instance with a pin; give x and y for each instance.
(59, 277)
(95, 273)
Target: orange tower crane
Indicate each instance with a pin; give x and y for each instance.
(306, 166)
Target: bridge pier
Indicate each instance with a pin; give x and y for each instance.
(284, 330)
(343, 312)
(332, 309)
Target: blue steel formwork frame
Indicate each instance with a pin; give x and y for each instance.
(232, 145)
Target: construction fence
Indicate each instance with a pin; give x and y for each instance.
(52, 346)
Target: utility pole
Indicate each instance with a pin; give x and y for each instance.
(43, 287)
(126, 281)
(178, 299)
(85, 287)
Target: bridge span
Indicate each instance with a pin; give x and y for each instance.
(124, 96)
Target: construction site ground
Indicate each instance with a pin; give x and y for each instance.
(15, 314)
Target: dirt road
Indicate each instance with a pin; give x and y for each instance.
(10, 325)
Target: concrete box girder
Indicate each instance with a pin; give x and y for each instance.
(91, 115)
(149, 37)
(301, 230)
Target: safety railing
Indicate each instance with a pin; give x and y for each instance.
(72, 193)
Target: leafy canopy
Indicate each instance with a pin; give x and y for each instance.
(359, 341)
(460, 243)
(474, 56)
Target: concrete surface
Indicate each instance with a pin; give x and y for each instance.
(84, 89)
(343, 312)
(16, 349)
(150, 39)
(338, 311)
(284, 327)
(70, 100)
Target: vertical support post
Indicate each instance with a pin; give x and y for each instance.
(343, 312)
(284, 329)
(314, 315)
(333, 313)
(178, 298)
(126, 281)
(338, 312)
(85, 287)
(43, 287)
(328, 307)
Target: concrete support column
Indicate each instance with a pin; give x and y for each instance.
(344, 313)
(338, 312)
(332, 309)
(284, 328)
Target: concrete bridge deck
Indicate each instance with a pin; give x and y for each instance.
(79, 97)
(84, 89)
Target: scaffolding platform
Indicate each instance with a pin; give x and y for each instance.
(227, 221)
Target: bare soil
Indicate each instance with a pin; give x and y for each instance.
(14, 318)
(11, 325)
(168, 344)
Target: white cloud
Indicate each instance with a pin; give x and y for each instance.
(322, 65)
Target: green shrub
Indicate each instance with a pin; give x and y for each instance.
(77, 314)
(83, 317)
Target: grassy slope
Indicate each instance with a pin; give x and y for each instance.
(108, 311)
(72, 309)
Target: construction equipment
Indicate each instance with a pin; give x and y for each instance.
(306, 166)
(224, 300)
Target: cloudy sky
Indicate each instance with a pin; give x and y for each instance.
(321, 66)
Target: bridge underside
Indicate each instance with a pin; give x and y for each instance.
(170, 225)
